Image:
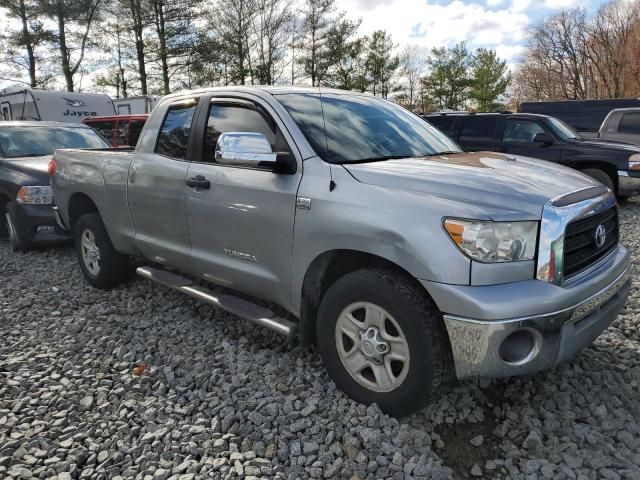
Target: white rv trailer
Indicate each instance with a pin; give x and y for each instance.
(136, 105)
(20, 103)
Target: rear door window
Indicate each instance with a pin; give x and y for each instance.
(478, 127)
(442, 123)
(630, 123)
(173, 139)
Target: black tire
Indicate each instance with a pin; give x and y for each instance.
(602, 176)
(17, 238)
(112, 266)
(431, 363)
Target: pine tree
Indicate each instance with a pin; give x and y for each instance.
(490, 79)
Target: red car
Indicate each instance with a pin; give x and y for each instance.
(119, 130)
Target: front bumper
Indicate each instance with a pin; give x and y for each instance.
(559, 321)
(628, 183)
(37, 224)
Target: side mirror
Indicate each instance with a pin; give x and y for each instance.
(245, 149)
(542, 137)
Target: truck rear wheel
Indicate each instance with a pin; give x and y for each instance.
(101, 264)
(383, 341)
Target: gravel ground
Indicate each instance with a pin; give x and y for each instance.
(141, 382)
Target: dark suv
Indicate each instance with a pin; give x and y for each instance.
(615, 164)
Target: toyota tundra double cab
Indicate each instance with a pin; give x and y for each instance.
(405, 260)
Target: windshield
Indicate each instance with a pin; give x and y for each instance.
(35, 141)
(562, 130)
(353, 128)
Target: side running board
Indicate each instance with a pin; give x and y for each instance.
(255, 313)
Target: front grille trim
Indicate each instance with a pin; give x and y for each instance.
(577, 259)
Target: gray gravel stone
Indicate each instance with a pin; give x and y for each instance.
(221, 398)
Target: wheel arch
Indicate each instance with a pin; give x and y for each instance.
(324, 271)
(608, 168)
(79, 204)
(4, 200)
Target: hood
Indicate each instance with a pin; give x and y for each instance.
(512, 185)
(609, 144)
(28, 168)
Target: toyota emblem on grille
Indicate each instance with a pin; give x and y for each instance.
(601, 236)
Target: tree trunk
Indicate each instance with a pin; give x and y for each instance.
(28, 44)
(136, 12)
(160, 28)
(64, 51)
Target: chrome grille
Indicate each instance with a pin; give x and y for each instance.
(580, 246)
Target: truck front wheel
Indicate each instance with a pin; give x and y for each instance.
(602, 176)
(101, 264)
(383, 341)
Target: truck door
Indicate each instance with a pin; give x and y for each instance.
(242, 225)
(518, 135)
(156, 187)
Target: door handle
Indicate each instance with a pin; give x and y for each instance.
(199, 182)
(132, 175)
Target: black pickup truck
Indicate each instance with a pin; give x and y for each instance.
(615, 164)
(26, 201)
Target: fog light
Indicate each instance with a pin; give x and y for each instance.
(45, 228)
(521, 346)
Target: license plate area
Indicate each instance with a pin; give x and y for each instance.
(599, 299)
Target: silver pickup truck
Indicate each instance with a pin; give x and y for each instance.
(405, 260)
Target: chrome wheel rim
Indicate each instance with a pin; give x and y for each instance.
(90, 252)
(372, 347)
(13, 237)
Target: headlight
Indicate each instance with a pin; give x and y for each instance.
(634, 162)
(35, 195)
(494, 241)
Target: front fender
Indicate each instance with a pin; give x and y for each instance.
(404, 228)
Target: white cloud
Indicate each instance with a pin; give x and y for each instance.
(558, 4)
(433, 25)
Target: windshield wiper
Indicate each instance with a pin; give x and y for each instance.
(382, 158)
(445, 152)
(26, 155)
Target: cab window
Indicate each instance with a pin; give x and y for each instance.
(174, 133)
(104, 128)
(121, 133)
(630, 123)
(135, 127)
(521, 131)
(229, 117)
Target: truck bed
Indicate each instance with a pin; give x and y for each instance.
(101, 174)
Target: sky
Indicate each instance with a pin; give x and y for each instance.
(497, 24)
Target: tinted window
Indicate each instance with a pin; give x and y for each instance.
(40, 141)
(225, 118)
(351, 128)
(442, 123)
(121, 132)
(630, 123)
(521, 131)
(135, 127)
(479, 126)
(174, 134)
(104, 128)
(561, 129)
